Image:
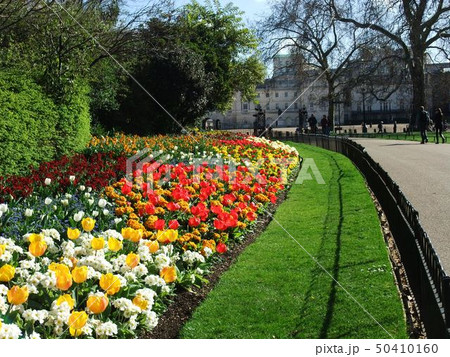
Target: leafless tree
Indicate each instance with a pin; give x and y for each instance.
(417, 27)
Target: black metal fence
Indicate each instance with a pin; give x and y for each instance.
(427, 278)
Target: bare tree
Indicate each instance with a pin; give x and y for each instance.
(416, 27)
(323, 47)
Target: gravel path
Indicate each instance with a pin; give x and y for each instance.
(423, 174)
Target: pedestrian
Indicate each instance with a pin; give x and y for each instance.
(324, 125)
(439, 125)
(424, 120)
(364, 128)
(313, 123)
(380, 127)
(395, 127)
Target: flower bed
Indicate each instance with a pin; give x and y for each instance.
(92, 252)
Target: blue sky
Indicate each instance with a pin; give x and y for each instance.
(253, 8)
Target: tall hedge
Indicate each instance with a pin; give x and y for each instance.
(33, 128)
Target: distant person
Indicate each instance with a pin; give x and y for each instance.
(424, 120)
(324, 125)
(380, 127)
(395, 127)
(364, 128)
(439, 125)
(313, 123)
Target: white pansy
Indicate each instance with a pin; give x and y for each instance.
(102, 203)
(130, 276)
(133, 323)
(77, 217)
(10, 331)
(3, 289)
(207, 252)
(154, 280)
(52, 233)
(35, 315)
(48, 201)
(126, 306)
(162, 261)
(47, 181)
(68, 196)
(28, 212)
(33, 336)
(151, 320)
(68, 249)
(106, 329)
(191, 258)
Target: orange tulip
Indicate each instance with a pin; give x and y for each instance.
(153, 246)
(73, 233)
(169, 274)
(63, 276)
(132, 260)
(37, 248)
(97, 304)
(7, 273)
(110, 283)
(139, 301)
(88, 224)
(66, 298)
(79, 274)
(17, 295)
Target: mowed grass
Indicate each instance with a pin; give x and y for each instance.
(276, 290)
(415, 136)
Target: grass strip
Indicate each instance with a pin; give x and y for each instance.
(275, 290)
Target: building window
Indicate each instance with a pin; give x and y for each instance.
(286, 94)
(369, 107)
(276, 95)
(267, 95)
(381, 106)
(245, 106)
(277, 106)
(267, 106)
(311, 106)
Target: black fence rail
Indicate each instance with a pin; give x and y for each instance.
(427, 278)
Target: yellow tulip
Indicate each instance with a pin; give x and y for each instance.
(37, 248)
(97, 243)
(66, 298)
(17, 295)
(139, 301)
(153, 246)
(114, 245)
(110, 283)
(169, 274)
(132, 260)
(36, 238)
(167, 236)
(2, 249)
(88, 224)
(79, 274)
(77, 320)
(73, 233)
(97, 304)
(63, 276)
(7, 272)
(133, 235)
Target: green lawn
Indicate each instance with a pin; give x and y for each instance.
(275, 290)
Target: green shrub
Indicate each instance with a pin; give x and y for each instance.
(33, 128)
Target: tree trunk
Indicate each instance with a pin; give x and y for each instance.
(331, 98)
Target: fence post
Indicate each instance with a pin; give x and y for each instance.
(446, 299)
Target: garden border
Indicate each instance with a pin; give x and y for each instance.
(429, 282)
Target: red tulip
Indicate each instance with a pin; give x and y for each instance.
(160, 224)
(221, 248)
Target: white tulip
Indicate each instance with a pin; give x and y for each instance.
(47, 181)
(65, 202)
(72, 178)
(3, 207)
(48, 201)
(78, 216)
(95, 213)
(91, 201)
(102, 203)
(82, 188)
(28, 212)
(105, 212)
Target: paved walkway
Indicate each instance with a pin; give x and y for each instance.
(423, 174)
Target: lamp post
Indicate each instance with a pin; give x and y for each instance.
(363, 92)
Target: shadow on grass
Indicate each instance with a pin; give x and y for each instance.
(321, 258)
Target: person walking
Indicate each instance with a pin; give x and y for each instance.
(324, 125)
(380, 127)
(439, 125)
(313, 123)
(424, 120)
